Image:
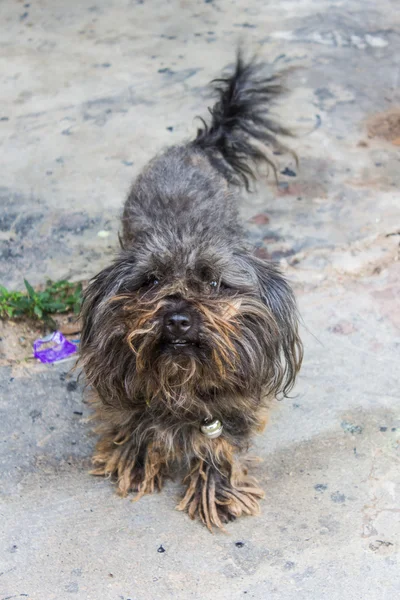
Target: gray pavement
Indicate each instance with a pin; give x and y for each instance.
(89, 93)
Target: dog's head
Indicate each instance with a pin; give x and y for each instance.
(189, 323)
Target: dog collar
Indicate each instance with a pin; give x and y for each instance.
(211, 428)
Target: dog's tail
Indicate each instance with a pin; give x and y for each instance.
(241, 130)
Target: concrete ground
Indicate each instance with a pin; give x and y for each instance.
(89, 92)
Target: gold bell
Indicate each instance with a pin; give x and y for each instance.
(211, 428)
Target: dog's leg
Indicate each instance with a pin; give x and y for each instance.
(220, 491)
(154, 472)
(136, 469)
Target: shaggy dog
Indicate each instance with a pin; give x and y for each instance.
(187, 335)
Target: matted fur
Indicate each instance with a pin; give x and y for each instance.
(184, 251)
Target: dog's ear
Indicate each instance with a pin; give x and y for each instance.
(111, 281)
(277, 295)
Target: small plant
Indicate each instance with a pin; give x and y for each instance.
(56, 297)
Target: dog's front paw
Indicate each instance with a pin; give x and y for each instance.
(128, 477)
(133, 471)
(217, 499)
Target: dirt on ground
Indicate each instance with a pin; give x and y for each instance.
(385, 126)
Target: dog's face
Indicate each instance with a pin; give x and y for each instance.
(178, 325)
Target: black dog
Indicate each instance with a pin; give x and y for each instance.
(187, 335)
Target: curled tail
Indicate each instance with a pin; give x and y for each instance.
(241, 130)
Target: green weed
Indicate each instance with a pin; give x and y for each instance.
(56, 297)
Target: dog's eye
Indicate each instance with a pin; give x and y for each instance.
(214, 284)
(153, 280)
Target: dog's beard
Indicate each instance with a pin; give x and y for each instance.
(236, 351)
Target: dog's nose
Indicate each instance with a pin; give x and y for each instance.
(178, 324)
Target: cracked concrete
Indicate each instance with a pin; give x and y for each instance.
(89, 94)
